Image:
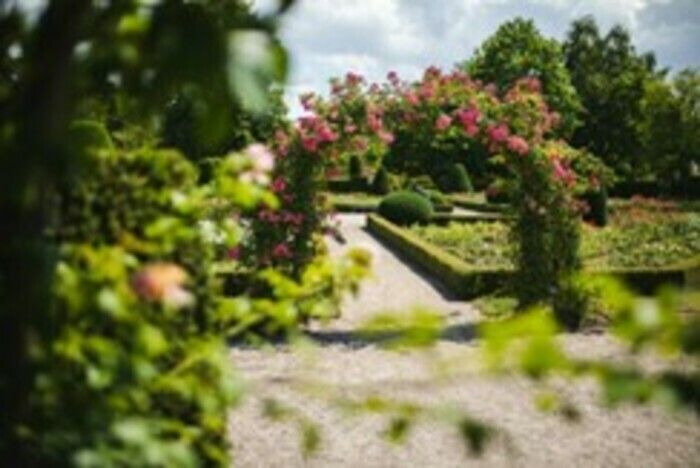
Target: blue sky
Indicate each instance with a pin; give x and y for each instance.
(329, 37)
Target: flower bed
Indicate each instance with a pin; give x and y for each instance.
(633, 245)
(485, 266)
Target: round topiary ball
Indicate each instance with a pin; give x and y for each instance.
(405, 208)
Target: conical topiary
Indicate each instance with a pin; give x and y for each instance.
(381, 185)
(355, 167)
(454, 178)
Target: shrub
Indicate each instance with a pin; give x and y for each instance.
(597, 201)
(439, 201)
(455, 179)
(405, 208)
(355, 167)
(124, 193)
(381, 185)
(146, 370)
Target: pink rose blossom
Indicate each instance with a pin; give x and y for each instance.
(386, 137)
(281, 250)
(498, 133)
(518, 145)
(443, 122)
(278, 185)
(412, 98)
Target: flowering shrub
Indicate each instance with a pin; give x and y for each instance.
(447, 118)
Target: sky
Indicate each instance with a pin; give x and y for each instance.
(330, 37)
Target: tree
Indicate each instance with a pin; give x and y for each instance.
(517, 50)
(610, 77)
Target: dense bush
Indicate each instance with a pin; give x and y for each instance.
(406, 208)
(125, 191)
(128, 372)
(455, 179)
(381, 184)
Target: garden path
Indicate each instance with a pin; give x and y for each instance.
(353, 368)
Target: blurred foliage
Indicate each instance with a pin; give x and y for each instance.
(106, 372)
(528, 344)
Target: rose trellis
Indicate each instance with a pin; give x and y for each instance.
(441, 108)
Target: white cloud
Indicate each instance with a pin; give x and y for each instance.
(330, 37)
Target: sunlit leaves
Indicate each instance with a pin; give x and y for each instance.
(414, 329)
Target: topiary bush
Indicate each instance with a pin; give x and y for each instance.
(355, 167)
(381, 185)
(597, 201)
(439, 201)
(455, 179)
(405, 208)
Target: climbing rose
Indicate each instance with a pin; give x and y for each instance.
(412, 98)
(443, 122)
(278, 185)
(281, 251)
(518, 145)
(499, 133)
(386, 137)
(262, 161)
(562, 172)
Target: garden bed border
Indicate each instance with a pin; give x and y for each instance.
(467, 282)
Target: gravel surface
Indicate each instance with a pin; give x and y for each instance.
(310, 379)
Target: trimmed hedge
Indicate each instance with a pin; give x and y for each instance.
(486, 207)
(459, 278)
(467, 282)
(348, 185)
(406, 207)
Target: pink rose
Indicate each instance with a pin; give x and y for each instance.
(518, 145)
(281, 250)
(443, 122)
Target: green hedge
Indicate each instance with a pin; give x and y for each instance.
(467, 282)
(459, 278)
(348, 185)
(469, 204)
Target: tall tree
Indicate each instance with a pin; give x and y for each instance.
(610, 77)
(518, 49)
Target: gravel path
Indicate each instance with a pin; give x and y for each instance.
(628, 436)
